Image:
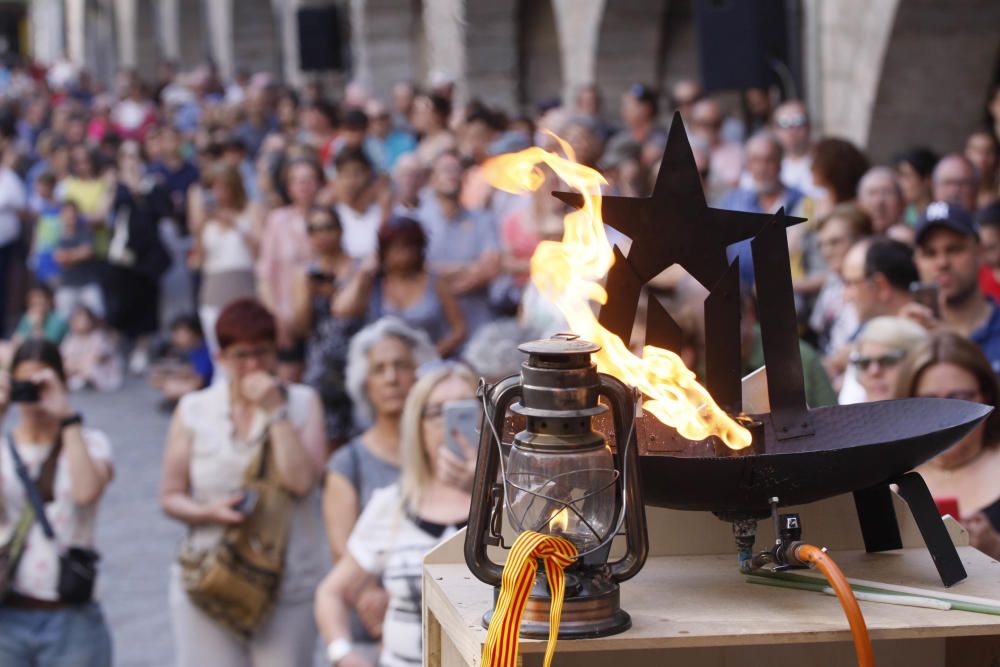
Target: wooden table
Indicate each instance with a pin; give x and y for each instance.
(691, 606)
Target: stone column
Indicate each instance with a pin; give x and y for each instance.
(286, 11)
(168, 13)
(444, 25)
(47, 29)
(220, 36)
(578, 23)
(126, 27)
(76, 16)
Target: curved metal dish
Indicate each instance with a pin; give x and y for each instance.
(853, 447)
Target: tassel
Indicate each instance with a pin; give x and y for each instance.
(501, 648)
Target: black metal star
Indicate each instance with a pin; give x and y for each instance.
(675, 225)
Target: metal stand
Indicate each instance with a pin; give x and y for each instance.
(881, 531)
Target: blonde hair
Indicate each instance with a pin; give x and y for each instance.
(895, 332)
(416, 470)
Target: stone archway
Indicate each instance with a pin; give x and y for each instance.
(938, 68)
(891, 73)
(539, 62)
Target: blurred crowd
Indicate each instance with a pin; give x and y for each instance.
(324, 272)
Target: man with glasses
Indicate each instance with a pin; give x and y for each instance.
(790, 124)
(877, 276)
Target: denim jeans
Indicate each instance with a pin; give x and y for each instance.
(71, 637)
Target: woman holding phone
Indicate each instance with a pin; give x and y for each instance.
(400, 524)
(72, 466)
(216, 433)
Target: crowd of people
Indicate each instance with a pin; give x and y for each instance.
(308, 277)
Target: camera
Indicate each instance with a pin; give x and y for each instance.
(24, 391)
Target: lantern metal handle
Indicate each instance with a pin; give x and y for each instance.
(622, 401)
(500, 397)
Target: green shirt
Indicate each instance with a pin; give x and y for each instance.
(819, 391)
(53, 330)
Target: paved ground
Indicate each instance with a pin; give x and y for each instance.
(137, 541)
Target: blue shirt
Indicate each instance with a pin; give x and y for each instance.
(461, 240)
(747, 201)
(987, 337)
(201, 360)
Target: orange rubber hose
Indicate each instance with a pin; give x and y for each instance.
(807, 553)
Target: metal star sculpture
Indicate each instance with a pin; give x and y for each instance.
(675, 225)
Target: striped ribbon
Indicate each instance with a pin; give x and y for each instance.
(500, 649)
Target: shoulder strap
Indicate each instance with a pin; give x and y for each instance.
(47, 475)
(31, 489)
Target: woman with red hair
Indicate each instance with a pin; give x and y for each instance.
(215, 435)
(396, 281)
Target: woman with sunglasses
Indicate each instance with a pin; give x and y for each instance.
(215, 434)
(883, 344)
(326, 336)
(947, 365)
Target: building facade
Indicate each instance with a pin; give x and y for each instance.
(879, 72)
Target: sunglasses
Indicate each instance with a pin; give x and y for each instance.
(791, 122)
(328, 227)
(887, 360)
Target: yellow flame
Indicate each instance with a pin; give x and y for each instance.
(567, 273)
(559, 521)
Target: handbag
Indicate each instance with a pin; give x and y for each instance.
(12, 550)
(77, 565)
(236, 582)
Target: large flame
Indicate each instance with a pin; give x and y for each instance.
(567, 273)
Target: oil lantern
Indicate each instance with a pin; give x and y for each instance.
(559, 476)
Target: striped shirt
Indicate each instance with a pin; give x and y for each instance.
(389, 543)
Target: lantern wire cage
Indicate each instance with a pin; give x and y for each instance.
(569, 505)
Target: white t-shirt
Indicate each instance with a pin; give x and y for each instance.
(360, 229)
(38, 572)
(12, 197)
(387, 543)
(226, 247)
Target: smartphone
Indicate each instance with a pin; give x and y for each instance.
(247, 503)
(926, 294)
(24, 391)
(462, 417)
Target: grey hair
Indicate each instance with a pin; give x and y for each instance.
(356, 375)
(492, 351)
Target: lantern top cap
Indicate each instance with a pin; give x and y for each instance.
(561, 343)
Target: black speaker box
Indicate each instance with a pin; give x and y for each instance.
(320, 39)
(738, 40)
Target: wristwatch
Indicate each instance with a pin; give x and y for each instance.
(281, 414)
(75, 419)
(337, 650)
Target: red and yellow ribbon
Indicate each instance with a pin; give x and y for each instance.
(501, 646)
